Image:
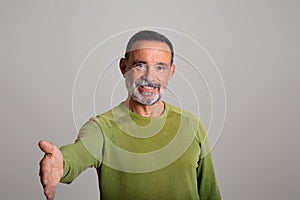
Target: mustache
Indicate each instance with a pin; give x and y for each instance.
(139, 83)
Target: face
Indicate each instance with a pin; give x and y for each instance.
(147, 71)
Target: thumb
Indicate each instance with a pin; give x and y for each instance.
(46, 147)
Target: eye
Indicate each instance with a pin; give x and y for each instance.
(140, 65)
(161, 67)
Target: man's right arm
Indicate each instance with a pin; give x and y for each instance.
(85, 152)
(65, 164)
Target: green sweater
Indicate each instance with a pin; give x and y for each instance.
(165, 157)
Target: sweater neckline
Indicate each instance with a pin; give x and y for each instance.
(139, 117)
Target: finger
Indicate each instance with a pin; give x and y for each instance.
(48, 185)
(46, 147)
(49, 192)
(45, 178)
(45, 170)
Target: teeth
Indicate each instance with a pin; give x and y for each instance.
(148, 87)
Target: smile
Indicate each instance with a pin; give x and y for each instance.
(147, 85)
(148, 89)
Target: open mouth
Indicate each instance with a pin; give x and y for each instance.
(148, 89)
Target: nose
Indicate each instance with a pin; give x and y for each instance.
(149, 74)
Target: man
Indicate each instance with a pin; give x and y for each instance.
(144, 148)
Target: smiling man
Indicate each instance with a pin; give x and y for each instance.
(144, 148)
(147, 68)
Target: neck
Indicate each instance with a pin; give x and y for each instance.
(145, 110)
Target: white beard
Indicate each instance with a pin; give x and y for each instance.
(145, 98)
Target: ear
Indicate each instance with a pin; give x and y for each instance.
(172, 70)
(122, 65)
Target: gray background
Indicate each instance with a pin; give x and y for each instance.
(254, 43)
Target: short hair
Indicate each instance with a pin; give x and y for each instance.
(149, 36)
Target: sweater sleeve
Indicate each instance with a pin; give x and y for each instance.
(85, 152)
(207, 184)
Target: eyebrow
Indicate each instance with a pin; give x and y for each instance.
(139, 61)
(144, 62)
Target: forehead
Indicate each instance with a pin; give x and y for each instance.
(150, 48)
(150, 44)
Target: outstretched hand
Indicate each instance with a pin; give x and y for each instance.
(51, 168)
